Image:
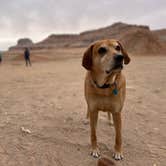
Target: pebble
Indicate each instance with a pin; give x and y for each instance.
(105, 162)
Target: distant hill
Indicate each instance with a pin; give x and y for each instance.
(161, 35)
(136, 38)
(22, 43)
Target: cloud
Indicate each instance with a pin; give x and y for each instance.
(39, 18)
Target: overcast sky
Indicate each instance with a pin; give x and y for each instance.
(37, 19)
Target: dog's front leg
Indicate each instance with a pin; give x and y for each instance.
(118, 136)
(93, 125)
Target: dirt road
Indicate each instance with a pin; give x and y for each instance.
(48, 100)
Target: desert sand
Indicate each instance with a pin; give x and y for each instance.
(47, 100)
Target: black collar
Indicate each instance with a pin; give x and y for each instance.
(104, 86)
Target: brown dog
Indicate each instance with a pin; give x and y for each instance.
(105, 87)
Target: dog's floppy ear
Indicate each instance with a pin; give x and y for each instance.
(87, 58)
(125, 54)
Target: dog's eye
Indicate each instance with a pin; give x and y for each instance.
(102, 50)
(117, 48)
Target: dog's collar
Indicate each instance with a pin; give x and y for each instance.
(105, 86)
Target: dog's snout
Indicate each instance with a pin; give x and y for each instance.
(118, 57)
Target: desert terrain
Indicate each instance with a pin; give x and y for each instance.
(47, 100)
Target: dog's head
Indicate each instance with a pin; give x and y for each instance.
(105, 55)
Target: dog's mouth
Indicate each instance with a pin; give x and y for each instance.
(118, 66)
(115, 68)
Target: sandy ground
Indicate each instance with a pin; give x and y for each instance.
(48, 99)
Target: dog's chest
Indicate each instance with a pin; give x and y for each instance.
(110, 103)
(105, 99)
(107, 103)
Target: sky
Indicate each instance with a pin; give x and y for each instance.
(37, 19)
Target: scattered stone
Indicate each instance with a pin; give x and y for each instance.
(139, 101)
(25, 130)
(157, 90)
(78, 149)
(74, 94)
(59, 97)
(86, 122)
(105, 162)
(69, 119)
(156, 129)
(59, 108)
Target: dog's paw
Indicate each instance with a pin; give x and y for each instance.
(118, 156)
(95, 153)
(110, 123)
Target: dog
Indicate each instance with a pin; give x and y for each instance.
(105, 87)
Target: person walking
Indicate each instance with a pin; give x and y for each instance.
(27, 57)
(0, 57)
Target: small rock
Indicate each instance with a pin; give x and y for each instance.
(157, 90)
(59, 108)
(139, 101)
(157, 129)
(105, 162)
(25, 130)
(59, 97)
(69, 119)
(86, 122)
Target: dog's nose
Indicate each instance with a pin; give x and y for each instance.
(118, 57)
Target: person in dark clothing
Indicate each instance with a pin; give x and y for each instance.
(0, 58)
(27, 57)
